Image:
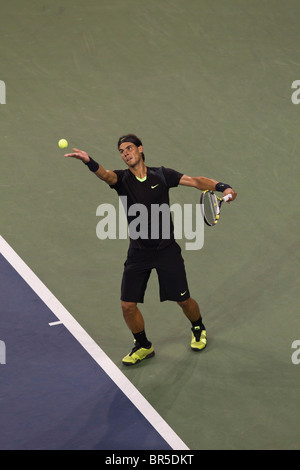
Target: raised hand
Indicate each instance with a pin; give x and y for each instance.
(79, 154)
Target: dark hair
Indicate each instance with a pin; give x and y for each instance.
(131, 138)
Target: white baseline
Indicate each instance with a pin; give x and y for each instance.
(92, 347)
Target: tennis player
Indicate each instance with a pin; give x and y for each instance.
(155, 249)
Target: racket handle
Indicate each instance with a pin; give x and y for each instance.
(226, 198)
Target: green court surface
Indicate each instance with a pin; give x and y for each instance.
(207, 85)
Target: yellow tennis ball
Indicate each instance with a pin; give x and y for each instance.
(63, 143)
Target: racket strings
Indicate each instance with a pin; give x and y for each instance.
(211, 207)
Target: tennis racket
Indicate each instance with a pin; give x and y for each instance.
(211, 205)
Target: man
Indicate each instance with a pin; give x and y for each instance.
(156, 246)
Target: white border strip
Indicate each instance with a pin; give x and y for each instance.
(92, 347)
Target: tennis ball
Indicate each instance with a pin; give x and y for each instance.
(63, 143)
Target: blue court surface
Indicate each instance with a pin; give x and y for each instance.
(58, 389)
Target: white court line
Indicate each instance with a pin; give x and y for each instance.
(92, 347)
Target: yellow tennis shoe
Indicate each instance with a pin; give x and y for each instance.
(198, 339)
(138, 354)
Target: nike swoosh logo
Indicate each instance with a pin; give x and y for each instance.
(182, 293)
(152, 187)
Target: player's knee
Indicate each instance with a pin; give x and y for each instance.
(184, 303)
(128, 308)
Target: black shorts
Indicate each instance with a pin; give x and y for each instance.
(169, 265)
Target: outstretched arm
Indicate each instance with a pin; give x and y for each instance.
(202, 183)
(108, 176)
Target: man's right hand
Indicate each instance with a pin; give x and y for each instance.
(79, 154)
